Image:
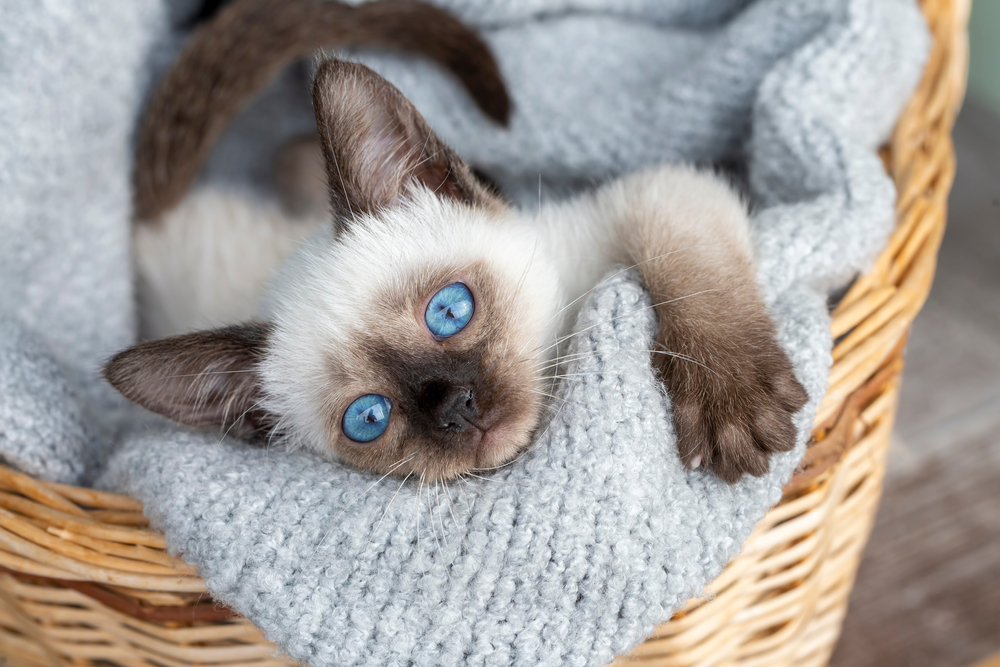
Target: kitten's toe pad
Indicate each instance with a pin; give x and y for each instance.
(734, 420)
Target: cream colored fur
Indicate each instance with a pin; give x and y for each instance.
(207, 261)
(689, 213)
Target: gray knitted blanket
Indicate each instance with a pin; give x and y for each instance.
(574, 552)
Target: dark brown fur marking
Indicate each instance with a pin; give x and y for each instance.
(205, 379)
(375, 143)
(734, 407)
(250, 41)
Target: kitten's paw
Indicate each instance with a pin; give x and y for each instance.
(734, 412)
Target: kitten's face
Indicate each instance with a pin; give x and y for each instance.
(413, 342)
(407, 337)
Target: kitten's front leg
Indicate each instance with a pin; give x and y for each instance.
(731, 385)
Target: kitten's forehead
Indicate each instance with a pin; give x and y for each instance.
(397, 258)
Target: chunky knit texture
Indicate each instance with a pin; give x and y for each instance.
(574, 552)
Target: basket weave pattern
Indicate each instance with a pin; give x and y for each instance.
(84, 581)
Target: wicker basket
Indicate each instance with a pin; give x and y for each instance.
(83, 581)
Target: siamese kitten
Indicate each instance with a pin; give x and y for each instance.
(409, 334)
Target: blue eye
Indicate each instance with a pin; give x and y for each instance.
(449, 310)
(366, 418)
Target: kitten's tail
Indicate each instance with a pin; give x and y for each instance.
(242, 48)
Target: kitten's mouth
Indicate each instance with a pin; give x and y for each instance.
(499, 440)
(482, 424)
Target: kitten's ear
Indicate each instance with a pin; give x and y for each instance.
(206, 379)
(375, 143)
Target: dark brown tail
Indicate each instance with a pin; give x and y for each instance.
(249, 42)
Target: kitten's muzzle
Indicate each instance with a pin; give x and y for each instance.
(450, 407)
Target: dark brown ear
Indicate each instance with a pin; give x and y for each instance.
(206, 379)
(375, 144)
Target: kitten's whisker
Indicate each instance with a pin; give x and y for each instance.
(363, 494)
(428, 158)
(461, 533)
(470, 487)
(583, 355)
(615, 275)
(447, 547)
(556, 409)
(384, 512)
(420, 553)
(304, 242)
(668, 353)
(537, 391)
(552, 385)
(628, 314)
(468, 506)
(517, 458)
(498, 481)
(684, 357)
(566, 358)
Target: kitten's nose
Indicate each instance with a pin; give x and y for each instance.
(454, 409)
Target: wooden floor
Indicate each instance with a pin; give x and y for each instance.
(928, 591)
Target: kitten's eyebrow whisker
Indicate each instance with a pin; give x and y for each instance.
(204, 373)
(340, 175)
(524, 274)
(238, 419)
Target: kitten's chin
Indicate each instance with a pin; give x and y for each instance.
(491, 447)
(503, 442)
